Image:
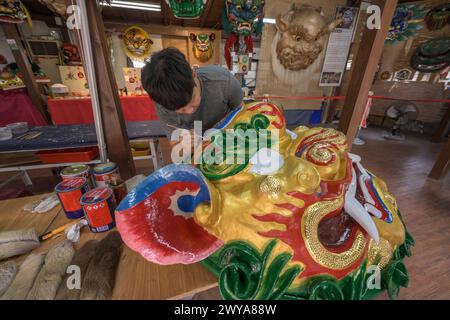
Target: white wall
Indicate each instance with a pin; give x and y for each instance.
(4, 48)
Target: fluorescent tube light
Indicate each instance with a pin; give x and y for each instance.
(134, 5)
(270, 21)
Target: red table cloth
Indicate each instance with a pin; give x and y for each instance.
(16, 106)
(79, 111)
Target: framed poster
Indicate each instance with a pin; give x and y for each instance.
(338, 47)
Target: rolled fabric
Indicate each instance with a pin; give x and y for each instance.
(98, 283)
(14, 243)
(55, 266)
(8, 271)
(81, 259)
(24, 279)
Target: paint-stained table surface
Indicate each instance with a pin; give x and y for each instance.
(136, 278)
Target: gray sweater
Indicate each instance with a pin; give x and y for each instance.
(221, 93)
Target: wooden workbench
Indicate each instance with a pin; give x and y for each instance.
(136, 278)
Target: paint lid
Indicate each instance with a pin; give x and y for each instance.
(105, 168)
(75, 170)
(96, 195)
(70, 184)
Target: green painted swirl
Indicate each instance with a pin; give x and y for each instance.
(239, 137)
(244, 274)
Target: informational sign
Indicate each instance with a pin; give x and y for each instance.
(338, 47)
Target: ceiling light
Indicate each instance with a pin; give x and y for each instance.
(270, 21)
(133, 5)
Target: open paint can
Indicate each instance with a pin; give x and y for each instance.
(98, 206)
(105, 172)
(119, 189)
(69, 193)
(76, 171)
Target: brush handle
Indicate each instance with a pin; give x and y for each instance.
(52, 233)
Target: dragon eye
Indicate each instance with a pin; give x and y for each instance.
(254, 8)
(238, 8)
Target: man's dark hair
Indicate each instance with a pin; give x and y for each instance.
(168, 79)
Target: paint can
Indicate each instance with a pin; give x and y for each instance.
(69, 193)
(105, 172)
(119, 189)
(98, 206)
(78, 170)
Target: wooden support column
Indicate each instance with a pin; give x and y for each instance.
(442, 163)
(20, 55)
(206, 12)
(366, 62)
(116, 136)
(443, 126)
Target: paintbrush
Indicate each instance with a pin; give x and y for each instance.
(17, 242)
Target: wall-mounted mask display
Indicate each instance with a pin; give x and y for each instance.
(431, 56)
(186, 9)
(405, 23)
(136, 43)
(438, 17)
(302, 37)
(299, 42)
(241, 18)
(203, 46)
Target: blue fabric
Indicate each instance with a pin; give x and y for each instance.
(296, 118)
(76, 136)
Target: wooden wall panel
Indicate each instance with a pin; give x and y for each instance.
(267, 83)
(181, 43)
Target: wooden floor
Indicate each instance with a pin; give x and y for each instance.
(424, 203)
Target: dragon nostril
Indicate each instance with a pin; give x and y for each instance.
(335, 231)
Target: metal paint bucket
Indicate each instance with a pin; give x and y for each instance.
(69, 193)
(98, 206)
(105, 172)
(119, 188)
(78, 170)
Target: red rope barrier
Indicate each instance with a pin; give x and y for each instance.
(343, 98)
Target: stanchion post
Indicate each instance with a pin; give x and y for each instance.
(366, 63)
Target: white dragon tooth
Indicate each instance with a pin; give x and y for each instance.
(360, 214)
(374, 211)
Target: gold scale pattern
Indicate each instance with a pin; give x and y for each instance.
(310, 223)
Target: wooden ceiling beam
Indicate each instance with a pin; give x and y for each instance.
(116, 136)
(366, 63)
(206, 13)
(20, 56)
(165, 11)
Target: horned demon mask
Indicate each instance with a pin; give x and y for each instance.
(302, 37)
(203, 46)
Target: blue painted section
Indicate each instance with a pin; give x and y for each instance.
(375, 191)
(222, 124)
(164, 176)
